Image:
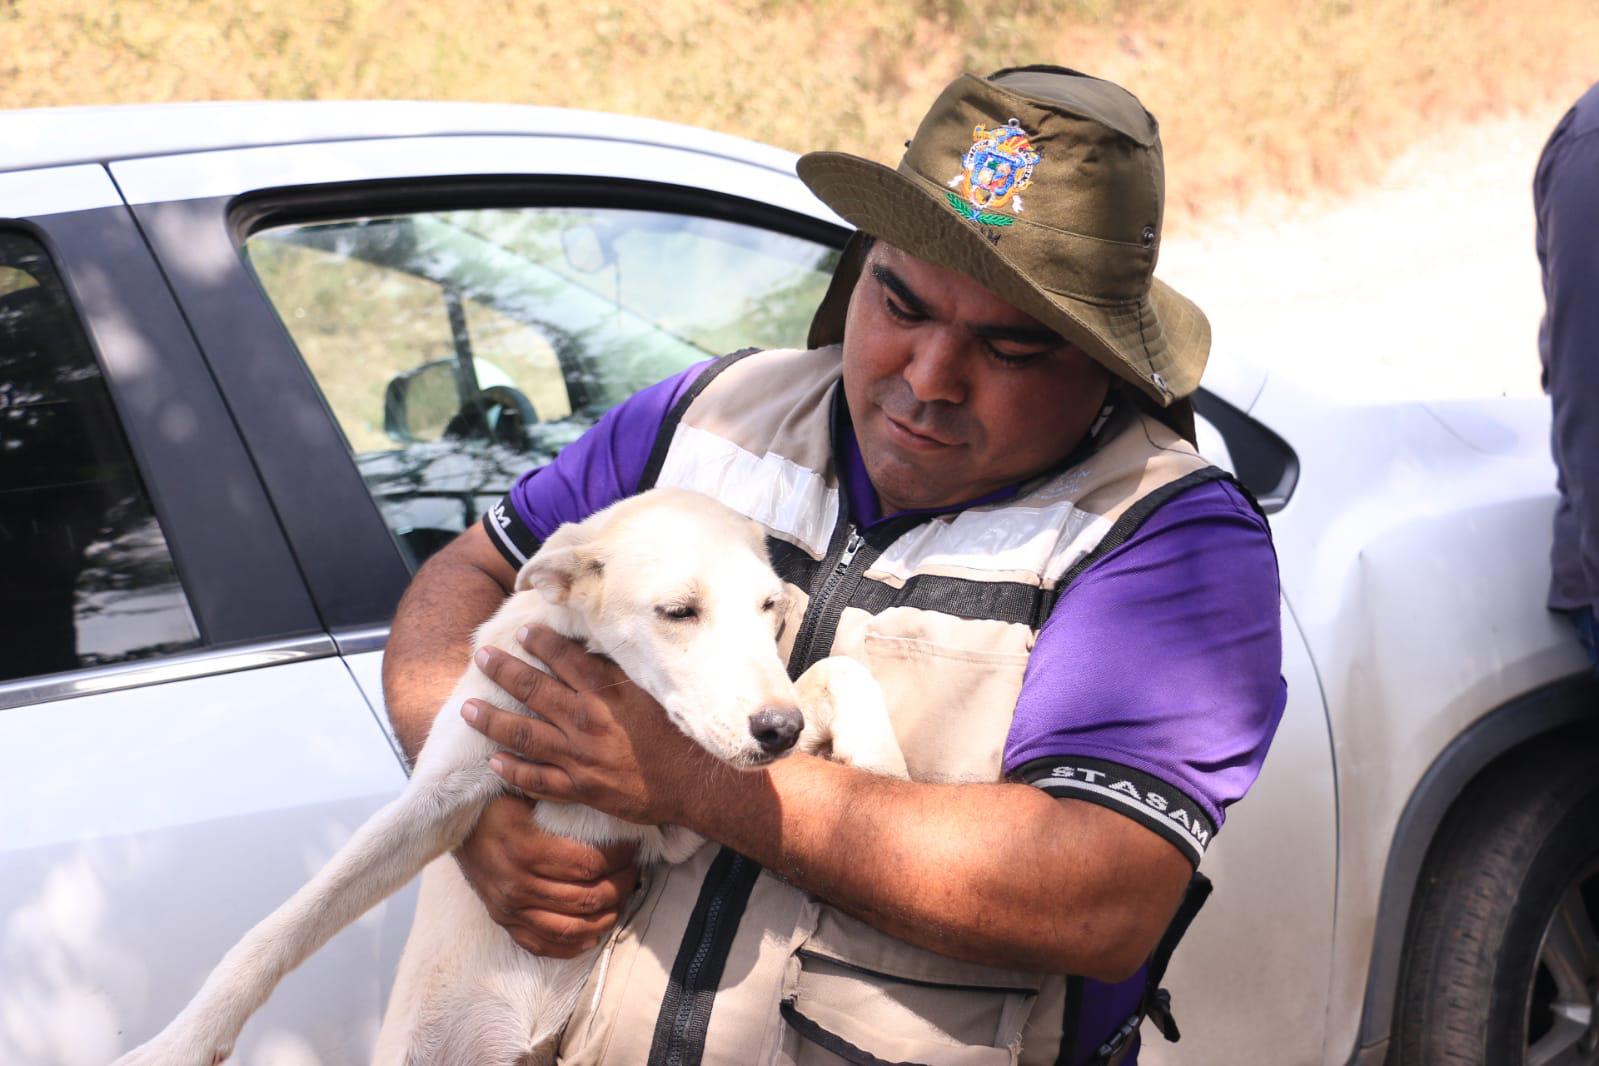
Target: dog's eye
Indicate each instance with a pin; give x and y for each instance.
(678, 612)
(770, 604)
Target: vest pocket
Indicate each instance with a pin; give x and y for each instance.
(837, 1013)
(852, 995)
(951, 706)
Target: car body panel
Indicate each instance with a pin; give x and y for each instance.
(366, 667)
(48, 137)
(1265, 937)
(147, 829)
(1398, 539)
(53, 190)
(154, 810)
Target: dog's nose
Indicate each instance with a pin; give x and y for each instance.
(776, 729)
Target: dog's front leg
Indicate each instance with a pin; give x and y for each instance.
(435, 812)
(677, 844)
(846, 718)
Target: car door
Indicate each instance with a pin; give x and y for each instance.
(180, 744)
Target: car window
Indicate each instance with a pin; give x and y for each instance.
(458, 349)
(86, 575)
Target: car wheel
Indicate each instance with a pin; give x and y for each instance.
(1502, 957)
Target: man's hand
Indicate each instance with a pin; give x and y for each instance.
(605, 743)
(555, 896)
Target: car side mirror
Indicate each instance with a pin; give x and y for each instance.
(586, 249)
(419, 404)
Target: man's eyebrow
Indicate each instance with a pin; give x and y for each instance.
(1037, 335)
(1044, 338)
(896, 284)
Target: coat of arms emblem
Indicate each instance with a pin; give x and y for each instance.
(994, 171)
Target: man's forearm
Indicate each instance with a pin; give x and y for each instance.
(1000, 874)
(995, 873)
(430, 641)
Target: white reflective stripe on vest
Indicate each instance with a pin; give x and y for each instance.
(783, 496)
(1008, 543)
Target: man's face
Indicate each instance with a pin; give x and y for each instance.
(955, 393)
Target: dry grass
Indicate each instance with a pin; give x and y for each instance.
(1253, 97)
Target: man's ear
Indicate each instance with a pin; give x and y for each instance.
(566, 556)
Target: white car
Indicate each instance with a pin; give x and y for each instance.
(257, 361)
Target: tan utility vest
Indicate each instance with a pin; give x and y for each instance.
(944, 611)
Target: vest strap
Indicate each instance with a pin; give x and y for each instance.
(1128, 524)
(1071, 1027)
(663, 439)
(1156, 1002)
(1004, 601)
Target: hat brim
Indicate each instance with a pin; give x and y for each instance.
(1159, 343)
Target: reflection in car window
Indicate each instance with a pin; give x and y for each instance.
(458, 349)
(86, 575)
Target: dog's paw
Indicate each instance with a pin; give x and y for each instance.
(814, 692)
(150, 1055)
(175, 1051)
(846, 717)
(827, 687)
(677, 843)
(836, 680)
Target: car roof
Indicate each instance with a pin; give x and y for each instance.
(61, 136)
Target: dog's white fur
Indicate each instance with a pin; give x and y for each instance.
(677, 590)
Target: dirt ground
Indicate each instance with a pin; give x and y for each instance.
(1424, 285)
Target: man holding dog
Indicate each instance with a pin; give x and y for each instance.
(980, 481)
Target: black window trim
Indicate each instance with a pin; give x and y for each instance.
(260, 209)
(232, 563)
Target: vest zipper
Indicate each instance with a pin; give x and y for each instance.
(685, 1016)
(692, 978)
(851, 546)
(827, 606)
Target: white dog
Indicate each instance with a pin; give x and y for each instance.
(677, 590)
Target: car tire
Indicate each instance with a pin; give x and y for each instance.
(1501, 960)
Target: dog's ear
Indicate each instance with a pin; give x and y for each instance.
(566, 556)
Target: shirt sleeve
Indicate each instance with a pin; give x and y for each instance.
(1566, 199)
(1156, 684)
(604, 465)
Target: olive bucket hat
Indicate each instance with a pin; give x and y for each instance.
(1045, 186)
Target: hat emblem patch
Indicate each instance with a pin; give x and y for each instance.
(994, 171)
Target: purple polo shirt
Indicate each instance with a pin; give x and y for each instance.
(1153, 689)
